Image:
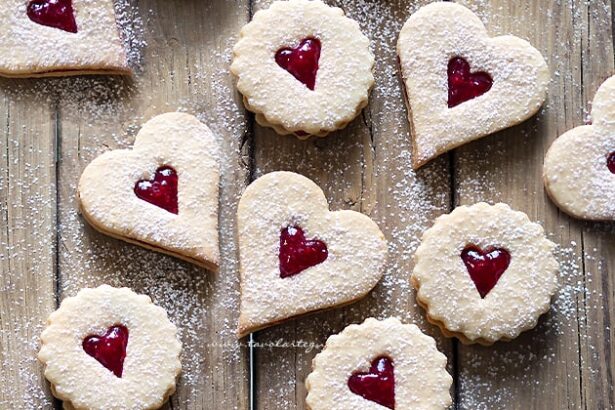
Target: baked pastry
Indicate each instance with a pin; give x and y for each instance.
(303, 68)
(162, 194)
(60, 37)
(298, 257)
(109, 348)
(462, 84)
(485, 273)
(376, 365)
(580, 165)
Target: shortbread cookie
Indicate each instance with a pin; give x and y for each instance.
(485, 273)
(579, 170)
(109, 348)
(462, 84)
(378, 365)
(298, 257)
(60, 37)
(303, 68)
(163, 194)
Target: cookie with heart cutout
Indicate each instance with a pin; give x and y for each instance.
(109, 348)
(303, 68)
(376, 365)
(485, 273)
(40, 38)
(460, 83)
(579, 168)
(296, 256)
(162, 194)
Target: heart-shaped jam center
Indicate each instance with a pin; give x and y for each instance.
(109, 349)
(610, 162)
(464, 85)
(160, 191)
(301, 61)
(378, 384)
(298, 253)
(485, 267)
(53, 13)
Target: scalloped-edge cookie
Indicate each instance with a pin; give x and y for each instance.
(485, 273)
(296, 256)
(303, 68)
(460, 83)
(110, 348)
(376, 365)
(41, 38)
(162, 194)
(579, 169)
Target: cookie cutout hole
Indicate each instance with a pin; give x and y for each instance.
(377, 384)
(610, 162)
(485, 266)
(298, 253)
(161, 190)
(53, 13)
(109, 349)
(301, 61)
(464, 85)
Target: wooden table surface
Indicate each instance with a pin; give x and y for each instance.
(51, 129)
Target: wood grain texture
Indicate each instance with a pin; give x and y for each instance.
(184, 67)
(27, 242)
(182, 50)
(365, 168)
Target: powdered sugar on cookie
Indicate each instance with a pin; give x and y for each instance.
(111, 200)
(276, 92)
(32, 46)
(353, 264)
(444, 44)
(579, 170)
(419, 377)
(485, 273)
(151, 362)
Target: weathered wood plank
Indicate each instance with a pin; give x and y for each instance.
(27, 242)
(184, 67)
(596, 331)
(366, 168)
(540, 369)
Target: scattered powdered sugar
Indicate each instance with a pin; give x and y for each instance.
(375, 151)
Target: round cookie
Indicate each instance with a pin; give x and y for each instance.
(303, 68)
(379, 364)
(109, 348)
(485, 273)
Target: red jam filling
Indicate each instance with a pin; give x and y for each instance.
(464, 85)
(297, 253)
(160, 191)
(485, 267)
(610, 162)
(378, 384)
(301, 61)
(109, 349)
(53, 13)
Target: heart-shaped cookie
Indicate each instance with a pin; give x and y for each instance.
(335, 259)
(579, 169)
(462, 84)
(379, 364)
(44, 38)
(162, 194)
